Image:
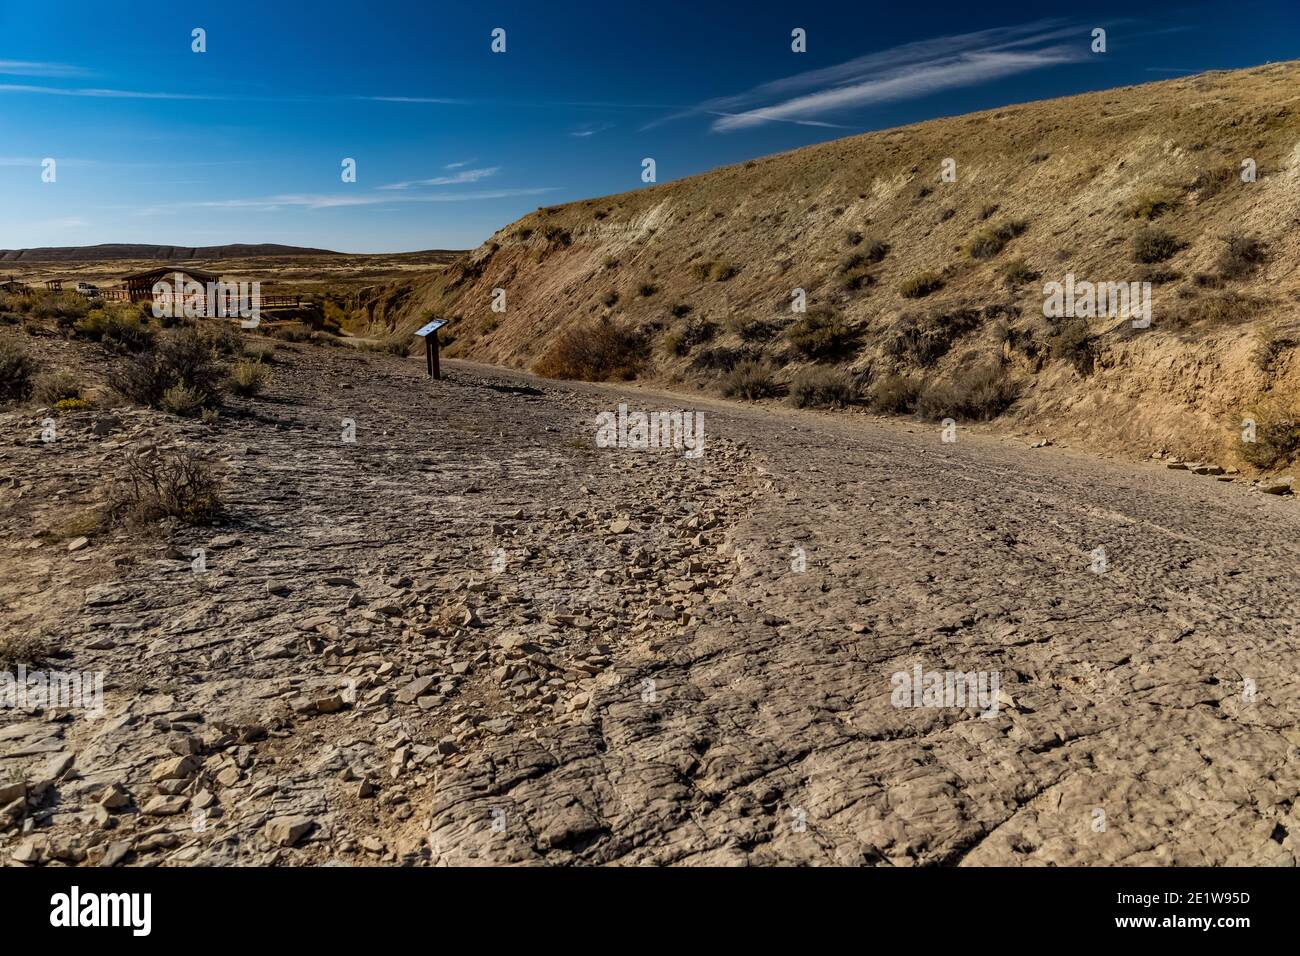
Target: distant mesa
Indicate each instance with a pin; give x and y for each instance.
(126, 250)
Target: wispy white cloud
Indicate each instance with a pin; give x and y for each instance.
(334, 201)
(444, 101)
(463, 163)
(903, 72)
(590, 129)
(29, 68)
(455, 179)
(115, 94)
(72, 222)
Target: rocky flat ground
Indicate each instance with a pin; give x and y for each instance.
(470, 636)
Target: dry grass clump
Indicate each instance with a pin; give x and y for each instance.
(18, 647)
(1151, 203)
(1277, 436)
(822, 388)
(921, 340)
(991, 240)
(1018, 272)
(680, 341)
(17, 369)
(1069, 341)
(821, 334)
(1210, 182)
(1272, 344)
(1218, 308)
(894, 394)
(179, 484)
(1241, 255)
(978, 392)
(921, 285)
(594, 352)
(751, 379)
(1152, 244)
(713, 271)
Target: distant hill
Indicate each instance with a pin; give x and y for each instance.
(927, 292)
(126, 250)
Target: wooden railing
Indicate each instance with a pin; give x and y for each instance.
(263, 302)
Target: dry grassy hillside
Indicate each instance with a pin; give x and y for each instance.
(927, 296)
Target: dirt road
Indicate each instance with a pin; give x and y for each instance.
(440, 625)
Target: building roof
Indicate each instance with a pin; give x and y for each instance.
(153, 275)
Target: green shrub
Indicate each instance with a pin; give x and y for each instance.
(64, 308)
(822, 388)
(16, 370)
(720, 358)
(921, 285)
(180, 357)
(224, 337)
(751, 379)
(248, 378)
(118, 331)
(821, 334)
(183, 401)
(57, 386)
(1154, 245)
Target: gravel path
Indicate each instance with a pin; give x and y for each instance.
(472, 636)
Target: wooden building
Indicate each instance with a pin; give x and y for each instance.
(139, 286)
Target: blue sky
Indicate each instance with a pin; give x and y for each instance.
(244, 143)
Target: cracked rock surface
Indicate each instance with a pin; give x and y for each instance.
(470, 636)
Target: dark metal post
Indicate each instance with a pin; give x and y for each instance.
(431, 355)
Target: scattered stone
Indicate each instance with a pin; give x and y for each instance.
(164, 806)
(287, 831)
(178, 768)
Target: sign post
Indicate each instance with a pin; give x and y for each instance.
(430, 335)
